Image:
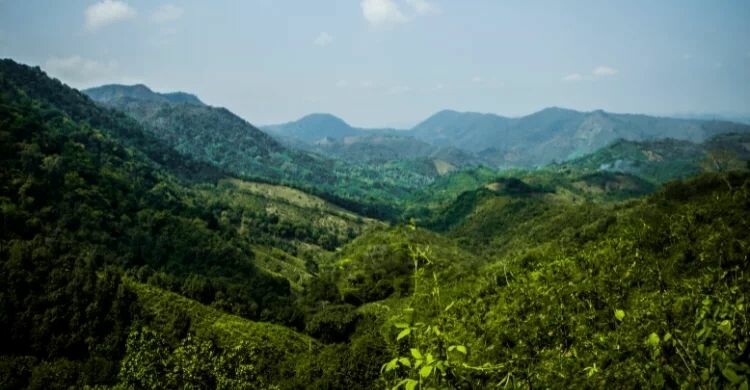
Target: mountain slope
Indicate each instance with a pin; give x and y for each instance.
(94, 229)
(197, 130)
(668, 159)
(218, 137)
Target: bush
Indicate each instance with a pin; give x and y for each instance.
(333, 323)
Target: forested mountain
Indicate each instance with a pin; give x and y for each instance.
(93, 206)
(218, 137)
(667, 159)
(196, 129)
(131, 257)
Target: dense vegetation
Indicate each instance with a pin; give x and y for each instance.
(666, 159)
(81, 209)
(130, 261)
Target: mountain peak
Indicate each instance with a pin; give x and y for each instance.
(110, 92)
(324, 118)
(313, 127)
(556, 110)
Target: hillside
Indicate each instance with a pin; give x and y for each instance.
(84, 204)
(667, 159)
(563, 289)
(219, 138)
(197, 130)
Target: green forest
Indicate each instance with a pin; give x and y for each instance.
(150, 243)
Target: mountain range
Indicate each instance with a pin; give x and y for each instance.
(550, 135)
(447, 139)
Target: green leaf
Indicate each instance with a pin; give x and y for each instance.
(403, 334)
(401, 325)
(619, 314)
(726, 327)
(425, 371)
(461, 348)
(399, 384)
(404, 361)
(731, 375)
(411, 384)
(390, 366)
(653, 340)
(415, 352)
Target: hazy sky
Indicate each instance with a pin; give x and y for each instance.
(394, 62)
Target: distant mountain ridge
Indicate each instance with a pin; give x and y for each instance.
(320, 150)
(111, 92)
(331, 136)
(558, 134)
(316, 127)
(551, 135)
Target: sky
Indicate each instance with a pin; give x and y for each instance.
(392, 63)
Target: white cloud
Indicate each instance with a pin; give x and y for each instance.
(573, 77)
(367, 84)
(603, 71)
(323, 39)
(342, 84)
(167, 13)
(423, 6)
(476, 79)
(438, 87)
(79, 71)
(382, 12)
(107, 12)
